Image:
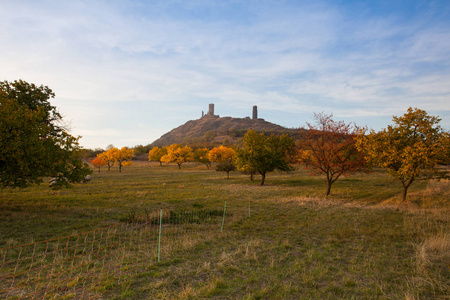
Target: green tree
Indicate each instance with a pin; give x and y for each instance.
(329, 147)
(33, 144)
(262, 154)
(201, 156)
(416, 142)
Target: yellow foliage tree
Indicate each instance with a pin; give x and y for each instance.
(124, 157)
(109, 157)
(224, 157)
(221, 154)
(156, 154)
(414, 143)
(178, 154)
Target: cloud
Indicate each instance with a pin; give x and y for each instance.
(130, 71)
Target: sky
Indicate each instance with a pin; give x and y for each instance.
(126, 72)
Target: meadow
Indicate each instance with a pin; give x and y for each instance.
(284, 240)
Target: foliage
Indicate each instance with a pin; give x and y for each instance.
(178, 154)
(415, 143)
(33, 143)
(98, 162)
(109, 156)
(226, 166)
(141, 149)
(201, 156)
(156, 154)
(224, 157)
(329, 147)
(262, 154)
(221, 154)
(124, 157)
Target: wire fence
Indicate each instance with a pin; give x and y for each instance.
(84, 264)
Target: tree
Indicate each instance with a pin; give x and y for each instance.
(156, 154)
(98, 162)
(415, 143)
(109, 156)
(33, 143)
(178, 154)
(224, 157)
(262, 154)
(329, 147)
(201, 156)
(123, 157)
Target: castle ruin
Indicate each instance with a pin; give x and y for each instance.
(211, 114)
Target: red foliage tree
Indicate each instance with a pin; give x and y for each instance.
(98, 162)
(329, 147)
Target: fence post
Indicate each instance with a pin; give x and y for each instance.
(223, 220)
(159, 239)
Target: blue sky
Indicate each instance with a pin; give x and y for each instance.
(126, 72)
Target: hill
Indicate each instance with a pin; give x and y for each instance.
(213, 130)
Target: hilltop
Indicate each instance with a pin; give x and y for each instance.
(212, 130)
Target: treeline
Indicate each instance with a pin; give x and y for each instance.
(413, 144)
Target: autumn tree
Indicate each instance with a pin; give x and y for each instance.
(201, 156)
(328, 147)
(224, 157)
(262, 154)
(178, 154)
(156, 153)
(415, 143)
(123, 157)
(98, 162)
(109, 157)
(33, 141)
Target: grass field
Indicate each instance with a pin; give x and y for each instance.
(360, 243)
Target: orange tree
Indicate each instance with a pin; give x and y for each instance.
(415, 143)
(178, 154)
(156, 153)
(262, 154)
(224, 157)
(98, 162)
(329, 147)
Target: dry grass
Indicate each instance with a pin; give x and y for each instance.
(360, 243)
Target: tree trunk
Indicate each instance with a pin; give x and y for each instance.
(120, 168)
(160, 163)
(228, 175)
(404, 192)
(263, 175)
(179, 166)
(405, 188)
(329, 187)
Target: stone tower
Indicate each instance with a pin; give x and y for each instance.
(255, 113)
(211, 109)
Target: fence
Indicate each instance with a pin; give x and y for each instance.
(82, 265)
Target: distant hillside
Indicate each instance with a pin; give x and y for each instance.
(213, 130)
